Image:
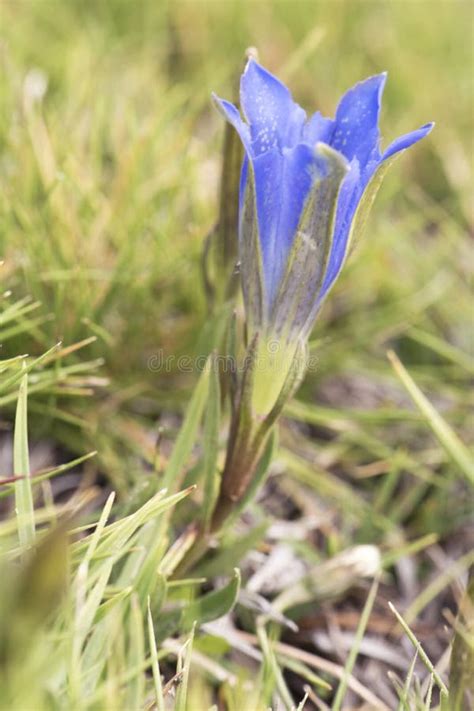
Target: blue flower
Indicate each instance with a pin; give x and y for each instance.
(306, 189)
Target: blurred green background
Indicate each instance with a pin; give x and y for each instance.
(110, 158)
(110, 161)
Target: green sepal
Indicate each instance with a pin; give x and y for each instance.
(230, 350)
(242, 430)
(311, 249)
(359, 221)
(292, 382)
(364, 207)
(220, 247)
(244, 404)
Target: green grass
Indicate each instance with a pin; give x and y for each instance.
(109, 173)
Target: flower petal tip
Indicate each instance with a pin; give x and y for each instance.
(249, 64)
(407, 140)
(216, 100)
(232, 115)
(378, 81)
(227, 110)
(253, 68)
(334, 156)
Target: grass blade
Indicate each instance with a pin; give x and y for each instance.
(184, 664)
(421, 652)
(21, 467)
(447, 437)
(155, 667)
(136, 656)
(273, 666)
(341, 689)
(211, 445)
(187, 434)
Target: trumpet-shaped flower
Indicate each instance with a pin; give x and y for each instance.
(306, 188)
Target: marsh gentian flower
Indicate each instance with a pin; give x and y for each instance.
(306, 188)
(290, 158)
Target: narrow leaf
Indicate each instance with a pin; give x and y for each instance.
(421, 652)
(341, 689)
(446, 436)
(211, 445)
(184, 664)
(188, 432)
(213, 605)
(21, 467)
(155, 666)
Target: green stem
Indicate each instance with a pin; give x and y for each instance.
(237, 481)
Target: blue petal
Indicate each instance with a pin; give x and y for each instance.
(282, 183)
(275, 120)
(404, 142)
(233, 116)
(356, 132)
(349, 196)
(318, 129)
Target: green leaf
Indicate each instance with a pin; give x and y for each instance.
(231, 554)
(211, 446)
(446, 436)
(220, 255)
(136, 655)
(21, 467)
(183, 666)
(113, 538)
(104, 609)
(155, 666)
(12, 381)
(48, 474)
(213, 605)
(442, 348)
(359, 635)
(404, 691)
(420, 651)
(214, 329)
(188, 433)
(273, 666)
(205, 609)
(258, 478)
